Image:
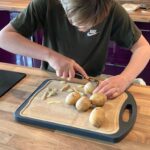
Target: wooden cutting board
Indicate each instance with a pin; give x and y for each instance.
(55, 114)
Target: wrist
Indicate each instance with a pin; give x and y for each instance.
(49, 55)
(129, 79)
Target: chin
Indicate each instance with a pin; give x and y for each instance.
(83, 30)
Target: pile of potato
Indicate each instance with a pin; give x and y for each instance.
(88, 100)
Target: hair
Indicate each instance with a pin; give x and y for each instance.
(83, 12)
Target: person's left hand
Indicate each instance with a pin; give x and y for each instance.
(113, 86)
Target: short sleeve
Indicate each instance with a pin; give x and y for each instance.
(30, 18)
(124, 31)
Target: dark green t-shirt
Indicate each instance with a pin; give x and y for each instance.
(89, 49)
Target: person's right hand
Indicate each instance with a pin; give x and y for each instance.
(65, 67)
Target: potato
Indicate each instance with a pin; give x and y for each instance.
(89, 88)
(97, 117)
(83, 104)
(72, 98)
(98, 99)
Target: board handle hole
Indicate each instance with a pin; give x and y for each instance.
(127, 113)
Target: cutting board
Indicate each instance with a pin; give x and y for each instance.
(53, 113)
(8, 79)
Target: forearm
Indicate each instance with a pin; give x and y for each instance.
(115, 85)
(17, 44)
(137, 63)
(13, 42)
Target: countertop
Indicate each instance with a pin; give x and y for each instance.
(17, 5)
(140, 15)
(16, 136)
(13, 5)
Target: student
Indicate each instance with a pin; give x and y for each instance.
(76, 37)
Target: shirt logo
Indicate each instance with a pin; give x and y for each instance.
(92, 32)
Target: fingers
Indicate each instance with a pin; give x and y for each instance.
(71, 74)
(68, 70)
(112, 93)
(65, 75)
(59, 73)
(101, 87)
(109, 88)
(79, 69)
(62, 74)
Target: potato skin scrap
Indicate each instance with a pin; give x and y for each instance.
(44, 96)
(81, 86)
(62, 82)
(65, 87)
(70, 90)
(52, 92)
(53, 102)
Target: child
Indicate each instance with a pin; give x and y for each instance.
(76, 37)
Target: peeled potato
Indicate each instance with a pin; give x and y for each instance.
(83, 104)
(97, 117)
(72, 98)
(98, 99)
(89, 88)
